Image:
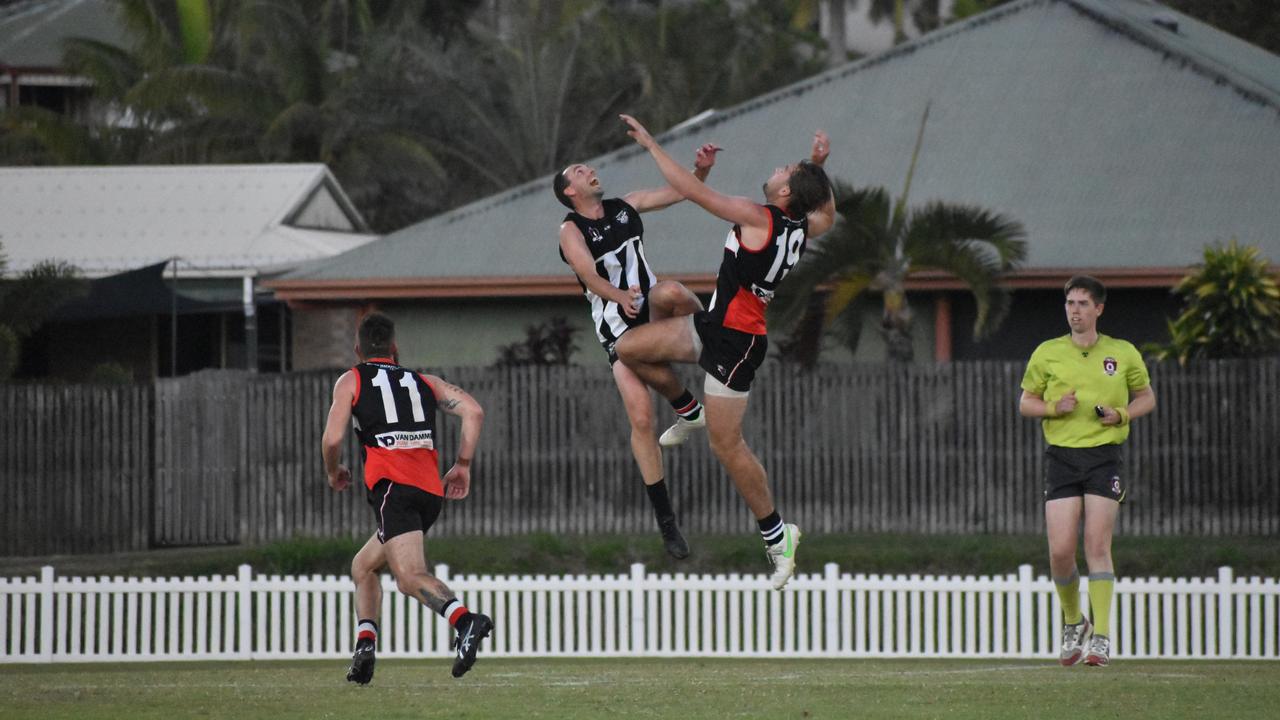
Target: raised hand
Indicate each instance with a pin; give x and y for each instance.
(637, 132)
(705, 157)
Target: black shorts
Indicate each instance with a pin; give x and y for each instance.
(641, 318)
(728, 355)
(402, 508)
(1075, 472)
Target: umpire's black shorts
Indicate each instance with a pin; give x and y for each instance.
(1076, 472)
(402, 508)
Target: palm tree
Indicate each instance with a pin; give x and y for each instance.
(875, 245)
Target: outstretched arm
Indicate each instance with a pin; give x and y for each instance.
(455, 401)
(737, 210)
(659, 198)
(821, 220)
(335, 429)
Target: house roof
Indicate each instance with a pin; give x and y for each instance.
(1123, 135)
(31, 33)
(216, 219)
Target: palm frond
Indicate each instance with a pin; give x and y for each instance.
(112, 70)
(939, 224)
(973, 244)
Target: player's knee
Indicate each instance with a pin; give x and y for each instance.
(360, 570)
(725, 444)
(665, 294)
(642, 424)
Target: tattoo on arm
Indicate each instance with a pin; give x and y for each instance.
(450, 401)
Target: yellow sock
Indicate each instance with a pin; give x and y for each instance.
(1101, 587)
(1069, 593)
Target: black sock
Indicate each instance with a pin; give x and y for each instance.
(660, 499)
(686, 407)
(771, 528)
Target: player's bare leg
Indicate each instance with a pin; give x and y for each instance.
(649, 351)
(409, 565)
(644, 446)
(1062, 520)
(724, 426)
(364, 573)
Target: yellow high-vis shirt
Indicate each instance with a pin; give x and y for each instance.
(1103, 374)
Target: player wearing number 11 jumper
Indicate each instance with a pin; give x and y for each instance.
(394, 414)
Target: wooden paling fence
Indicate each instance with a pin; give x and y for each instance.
(831, 614)
(228, 457)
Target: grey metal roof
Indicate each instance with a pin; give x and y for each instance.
(214, 217)
(1116, 141)
(31, 33)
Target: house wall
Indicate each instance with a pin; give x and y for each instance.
(467, 332)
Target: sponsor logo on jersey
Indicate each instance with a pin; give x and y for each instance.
(1109, 365)
(406, 440)
(622, 217)
(765, 295)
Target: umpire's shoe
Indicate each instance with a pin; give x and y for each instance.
(472, 628)
(361, 671)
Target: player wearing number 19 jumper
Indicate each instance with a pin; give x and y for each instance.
(393, 410)
(729, 340)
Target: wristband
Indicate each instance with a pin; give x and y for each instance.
(1124, 416)
(1051, 409)
(464, 462)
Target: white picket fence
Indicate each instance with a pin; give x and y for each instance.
(833, 614)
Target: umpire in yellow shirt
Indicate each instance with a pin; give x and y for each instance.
(1087, 388)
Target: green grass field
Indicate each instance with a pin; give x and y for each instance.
(648, 688)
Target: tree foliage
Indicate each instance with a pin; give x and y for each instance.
(547, 343)
(416, 105)
(27, 300)
(1231, 308)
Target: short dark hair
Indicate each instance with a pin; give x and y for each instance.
(376, 335)
(810, 188)
(558, 184)
(1089, 284)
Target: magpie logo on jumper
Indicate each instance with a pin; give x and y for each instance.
(622, 217)
(765, 295)
(406, 440)
(595, 235)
